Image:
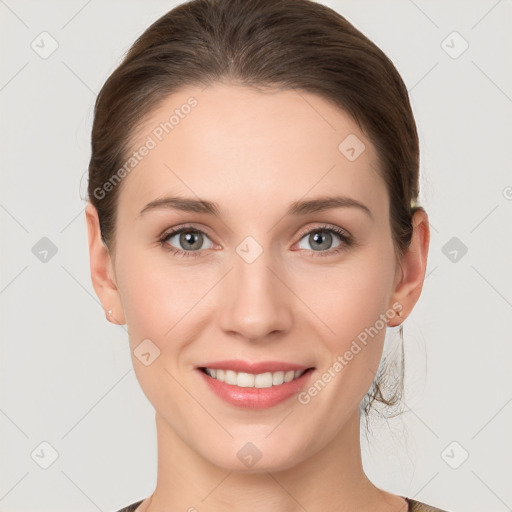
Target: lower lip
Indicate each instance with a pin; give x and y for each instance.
(256, 398)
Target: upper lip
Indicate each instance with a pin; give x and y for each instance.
(253, 367)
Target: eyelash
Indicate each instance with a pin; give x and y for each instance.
(346, 241)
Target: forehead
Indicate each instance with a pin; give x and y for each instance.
(234, 144)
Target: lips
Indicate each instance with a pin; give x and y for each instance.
(254, 385)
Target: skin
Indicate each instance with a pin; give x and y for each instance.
(254, 152)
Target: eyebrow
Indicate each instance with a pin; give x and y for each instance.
(296, 208)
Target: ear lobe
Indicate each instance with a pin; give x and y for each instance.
(413, 267)
(102, 270)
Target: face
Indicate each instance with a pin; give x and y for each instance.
(260, 280)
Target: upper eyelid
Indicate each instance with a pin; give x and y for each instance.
(326, 227)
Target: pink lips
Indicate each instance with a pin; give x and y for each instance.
(255, 398)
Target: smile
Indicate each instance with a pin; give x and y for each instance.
(249, 380)
(255, 390)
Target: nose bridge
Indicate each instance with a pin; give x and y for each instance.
(256, 302)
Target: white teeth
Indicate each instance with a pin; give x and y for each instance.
(263, 380)
(277, 378)
(230, 377)
(249, 380)
(288, 376)
(245, 380)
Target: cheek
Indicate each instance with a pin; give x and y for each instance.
(156, 293)
(156, 299)
(353, 345)
(162, 302)
(351, 297)
(350, 302)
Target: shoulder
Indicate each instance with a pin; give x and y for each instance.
(417, 506)
(131, 508)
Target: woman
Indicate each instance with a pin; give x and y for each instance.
(253, 219)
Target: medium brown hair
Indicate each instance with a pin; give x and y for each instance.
(289, 44)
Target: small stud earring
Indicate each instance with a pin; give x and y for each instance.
(109, 312)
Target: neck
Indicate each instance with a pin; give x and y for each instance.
(332, 479)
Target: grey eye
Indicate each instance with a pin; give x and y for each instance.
(189, 240)
(320, 239)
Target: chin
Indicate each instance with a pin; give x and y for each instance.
(253, 457)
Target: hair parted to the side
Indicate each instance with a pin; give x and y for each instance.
(285, 44)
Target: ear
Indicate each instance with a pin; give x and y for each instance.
(102, 269)
(412, 268)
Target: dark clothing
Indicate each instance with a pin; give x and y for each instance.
(414, 506)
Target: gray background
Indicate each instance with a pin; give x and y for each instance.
(66, 374)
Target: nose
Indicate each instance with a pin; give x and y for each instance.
(255, 301)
